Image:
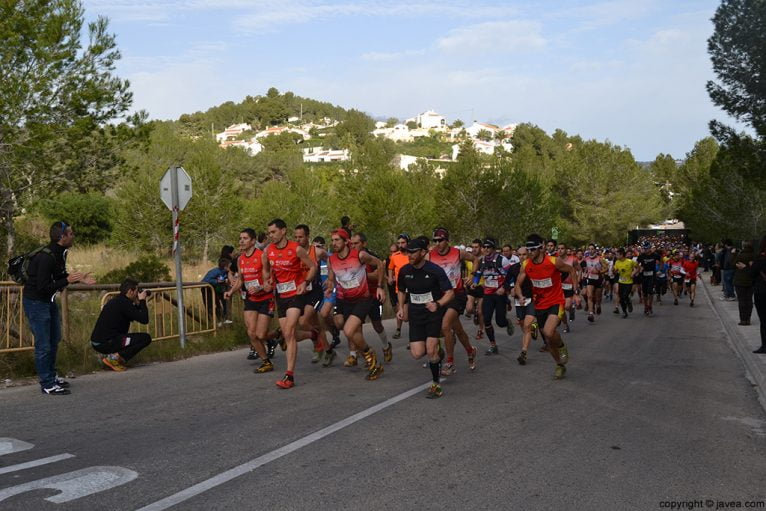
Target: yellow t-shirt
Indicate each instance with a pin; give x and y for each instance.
(625, 270)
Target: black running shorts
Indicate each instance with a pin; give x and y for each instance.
(262, 307)
(360, 308)
(555, 310)
(459, 302)
(294, 302)
(424, 324)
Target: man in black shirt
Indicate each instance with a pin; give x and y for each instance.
(48, 276)
(110, 335)
(648, 261)
(426, 290)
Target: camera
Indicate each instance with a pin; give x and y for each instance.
(147, 291)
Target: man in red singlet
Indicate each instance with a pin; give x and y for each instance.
(545, 273)
(450, 259)
(283, 270)
(347, 275)
(258, 298)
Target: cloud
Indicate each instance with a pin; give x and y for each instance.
(377, 56)
(494, 36)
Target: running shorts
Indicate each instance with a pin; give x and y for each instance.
(555, 310)
(597, 283)
(424, 324)
(294, 302)
(524, 311)
(459, 302)
(262, 307)
(477, 292)
(359, 308)
(376, 310)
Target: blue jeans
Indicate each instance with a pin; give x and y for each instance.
(728, 283)
(45, 322)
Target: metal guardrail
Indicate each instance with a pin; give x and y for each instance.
(14, 335)
(199, 300)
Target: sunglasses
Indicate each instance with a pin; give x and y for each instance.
(437, 240)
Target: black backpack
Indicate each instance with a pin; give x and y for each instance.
(18, 267)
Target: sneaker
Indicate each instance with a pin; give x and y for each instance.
(286, 383)
(535, 329)
(374, 369)
(591, 318)
(61, 382)
(675, 301)
(388, 353)
(265, 367)
(492, 350)
(472, 358)
(616, 310)
(563, 354)
(448, 370)
(510, 329)
(55, 390)
(598, 310)
(522, 358)
(624, 315)
(566, 327)
(227, 322)
(271, 348)
(560, 372)
(350, 361)
(113, 364)
(397, 334)
(329, 356)
(253, 355)
(761, 350)
(630, 306)
(434, 391)
(691, 304)
(316, 356)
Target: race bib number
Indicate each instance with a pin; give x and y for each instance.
(349, 284)
(661, 275)
(648, 273)
(421, 298)
(542, 283)
(323, 271)
(253, 286)
(491, 282)
(567, 287)
(286, 287)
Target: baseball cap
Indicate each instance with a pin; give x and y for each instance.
(415, 245)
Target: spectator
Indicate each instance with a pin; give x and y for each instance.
(743, 283)
(715, 279)
(727, 270)
(217, 277)
(111, 335)
(758, 275)
(47, 276)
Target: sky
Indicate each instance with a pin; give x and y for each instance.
(629, 71)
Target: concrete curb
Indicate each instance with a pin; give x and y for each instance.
(739, 345)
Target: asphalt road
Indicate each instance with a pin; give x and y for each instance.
(653, 411)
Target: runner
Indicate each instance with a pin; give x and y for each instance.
(326, 308)
(569, 284)
(545, 273)
(449, 259)
(314, 293)
(354, 301)
(496, 286)
(258, 299)
(661, 278)
(626, 269)
(359, 242)
(283, 271)
(396, 263)
(429, 291)
(690, 267)
(676, 272)
(595, 268)
(648, 262)
(525, 309)
(475, 293)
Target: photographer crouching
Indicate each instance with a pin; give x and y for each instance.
(110, 335)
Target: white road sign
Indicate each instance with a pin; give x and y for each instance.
(184, 188)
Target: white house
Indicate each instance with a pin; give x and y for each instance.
(277, 130)
(431, 120)
(321, 155)
(477, 127)
(252, 146)
(232, 132)
(398, 133)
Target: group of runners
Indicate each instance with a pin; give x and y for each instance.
(318, 290)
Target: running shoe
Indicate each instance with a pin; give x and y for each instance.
(630, 306)
(510, 328)
(566, 327)
(271, 348)
(397, 334)
(434, 391)
(329, 356)
(113, 364)
(55, 390)
(624, 315)
(286, 383)
(691, 304)
(448, 370)
(591, 318)
(316, 356)
(350, 361)
(563, 353)
(472, 358)
(675, 301)
(61, 382)
(388, 353)
(492, 350)
(253, 355)
(616, 310)
(535, 329)
(560, 372)
(265, 367)
(370, 359)
(598, 309)
(522, 358)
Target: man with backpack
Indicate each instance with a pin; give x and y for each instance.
(44, 274)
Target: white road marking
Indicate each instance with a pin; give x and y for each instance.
(251, 465)
(36, 463)
(11, 445)
(74, 485)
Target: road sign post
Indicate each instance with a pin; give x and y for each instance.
(175, 191)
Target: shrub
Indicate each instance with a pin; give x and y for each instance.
(90, 214)
(145, 269)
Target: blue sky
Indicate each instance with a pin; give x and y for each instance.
(630, 71)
